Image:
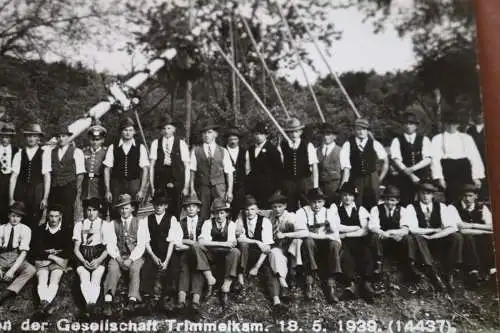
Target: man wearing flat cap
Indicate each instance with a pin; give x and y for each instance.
(411, 153)
(7, 152)
(238, 159)
(169, 172)
(264, 167)
(30, 179)
(358, 159)
(300, 165)
(68, 170)
(94, 154)
(329, 169)
(211, 170)
(456, 159)
(126, 165)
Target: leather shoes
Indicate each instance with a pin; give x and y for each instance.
(473, 279)
(280, 308)
(349, 292)
(309, 291)
(195, 307)
(413, 273)
(108, 309)
(285, 294)
(331, 296)
(368, 292)
(378, 268)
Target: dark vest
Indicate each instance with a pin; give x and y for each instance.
(386, 222)
(258, 228)
(434, 220)
(295, 162)
(479, 140)
(412, 154)
(475, 216)
(159, 234)
(173, 173)
(185, 231)
(126, 240)
(352, 220)
(126, 166)
(362, 162)
(31, 171)
(64, 170)
(93, 161)
(219, 235)
(264, 164)
(209, 171)
(239, 167)
(329, 166)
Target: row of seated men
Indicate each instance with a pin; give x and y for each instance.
(338, 243)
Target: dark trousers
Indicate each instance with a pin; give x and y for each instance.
(456, 173)
(403, 251)
(368, 189)
(447, 249)
(65, 196)
(4, 197)
(31, 195)
(207, 194)
(188, 275)
(218, 256)
(356, 257)
(238, 200)
(330, 189)
(323, 253)
(262, 187)
(122, 186)
(408, 190)
(478, 252)
(296, 192)
(156, 281)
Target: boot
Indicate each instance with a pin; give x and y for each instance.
(349, 292)
(209, 292)
(224, 299)
(108, 309)
(413, 273)
(378, 268)
(308, 292)
(367, 291)
(450, 287)
(331, 296)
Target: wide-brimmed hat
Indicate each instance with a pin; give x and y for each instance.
(391, 192)
(467, 188)
(191, 200)
(63, 129)
(261, 127)
(427, 187)
(166, 120)
(233, 132)
(410, 118)
(124, 199)
(33, 129)
(327, 128)
(278, 197)
(219, 204)
(249, 200)
(362, 122)
(160, 199)
(8, 129)
(55, 208)
(126, 123)
(349, 188)
(209, 125)
(293, 124)
(92, 202)
(315, 194)
(18, 208)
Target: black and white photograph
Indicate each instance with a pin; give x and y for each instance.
(244, 166)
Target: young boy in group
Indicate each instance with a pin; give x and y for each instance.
(90, 252)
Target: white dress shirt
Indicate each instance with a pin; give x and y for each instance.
(449, 215)
(311, 151)
(233, 153)
(206, 231)
(174, 233)
(267, 229)
(30, 152)
(78, 158)
(169, 142)
(485, 212)
(345, 152)
(21, 238)
(326, 149)
(395, 148)
(374, 222)
(111, 239)
(209, 152)
(192, 224)
(109, 160)
(86, 228)
(305, 215)
(363, 214)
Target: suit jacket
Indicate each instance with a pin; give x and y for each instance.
(266, 172)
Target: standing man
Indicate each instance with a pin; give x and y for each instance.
(211, 170)
(358, 159)
(68, 169)
(126, 165)
(476, 131)
(7, 152)
(30, 179)
(456, 159)
(329, 168)
(238, 159)
(94, 154)
(169, 171)
(411, 152)
(264, 167)
(300, 165)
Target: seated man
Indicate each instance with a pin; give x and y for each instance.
(189, 276)
(15, 240)
(126, 240)
(389, 235)
(476, 227)
(217, 245)
(51, 251)
(90, 252)
(356, 253)
(434, 227)
(163, 233)
(322, 241)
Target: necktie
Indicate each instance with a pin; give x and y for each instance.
(90, 235)
(167, 160)
(4, 162)
(276, 226)
(10, 243)
(427, 215)
(191, 230)
(391, 212)
(315, 219)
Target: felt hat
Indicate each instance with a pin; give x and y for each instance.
(92, 202)
(249, 200)
(8, 129)
(362, 122)
(293, 124)
(233, 132)
(278, 197)
(126, 122)
(327, 128)
(159, 199)
(349, 188)
(18, 208)
(467, 188)
(427, 187)
(261, 128)
(191, 200)
(33, 129)
(63, 129)
(410, 118)
(391, 192)
(209, 125)
(124, 199)
(315, 194)
(56, 208)
(219, 204)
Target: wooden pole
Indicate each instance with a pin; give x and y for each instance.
(189, 84)
(233, 74)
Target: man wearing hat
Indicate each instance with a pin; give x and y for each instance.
(300, 165)
(217, 245)
(238, 159)
(52, 248)
(169, 172)
(211, 170)
(329, 169)
(264, 168)
(94, 154)
(411, 153)
(30, 179)
(476, 227)
(358, 159)
(322, 242)
(356, 252)
(476, 131)
(7, 152)
(163, 233)
(15, 238)
(434, 226)
(456, 159)
(389, 235)
(126, 165)
(68, 169)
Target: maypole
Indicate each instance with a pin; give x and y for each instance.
(189, 84)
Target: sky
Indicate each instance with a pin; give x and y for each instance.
(358, 49)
